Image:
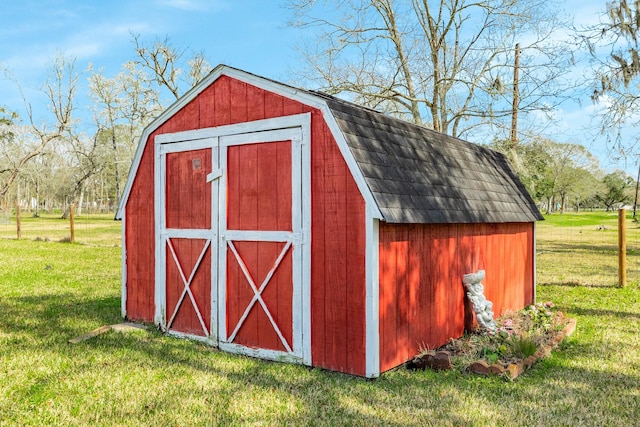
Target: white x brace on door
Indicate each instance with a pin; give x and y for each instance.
(186, 241)
(262, 239)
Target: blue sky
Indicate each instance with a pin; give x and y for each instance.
(248, 34)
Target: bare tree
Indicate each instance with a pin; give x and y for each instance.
(15, 141)
(124, 105)
(105, 93)
(444, 63)
(614, 44)
(140, 104)
(166, 63)
(199, 67)
(29, 142)
(36, 173)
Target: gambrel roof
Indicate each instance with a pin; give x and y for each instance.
(418, 175)
(411, 174)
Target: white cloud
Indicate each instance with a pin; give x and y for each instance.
(84, 45)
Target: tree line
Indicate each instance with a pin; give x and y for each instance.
(461, 67)
(567, 177)
(55, 164)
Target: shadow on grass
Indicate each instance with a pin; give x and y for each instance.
(315, 396)
(576, 284)
(60, 316)
(589, 312)
(428, 398)
(555, 246)
(323, 397)
(41, 325)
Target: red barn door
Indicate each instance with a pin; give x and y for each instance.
(186, 239)
(233, 208)
(260, 254)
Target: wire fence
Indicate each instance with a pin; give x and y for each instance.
(581, 249)
(98, 229)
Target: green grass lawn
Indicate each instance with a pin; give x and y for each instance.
(92, 229)
(582, 249)
(51, 292)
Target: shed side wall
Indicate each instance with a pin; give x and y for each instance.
(338, 223)
(338, 334)
(140, 243)
(422, 298)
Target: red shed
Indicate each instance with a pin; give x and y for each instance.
(290, 225)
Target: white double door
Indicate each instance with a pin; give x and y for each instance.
(232, 249)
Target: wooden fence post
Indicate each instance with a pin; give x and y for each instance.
(72, 223)
(622, 248)
(18, 221)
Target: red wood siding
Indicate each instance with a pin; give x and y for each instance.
(188, 209)
(140, 242)
(259, 187)
(337, 258)
(422, 299)
(338, 221)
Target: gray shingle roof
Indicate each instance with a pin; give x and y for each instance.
(418, 175)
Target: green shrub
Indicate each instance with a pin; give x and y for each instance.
(522, 346)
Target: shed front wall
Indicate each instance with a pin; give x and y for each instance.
(422, 298)
(338, 333)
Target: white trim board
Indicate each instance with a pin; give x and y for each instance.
(372, 297)
(279, 356)
(273, 124)
(535, 262)
(123, 266)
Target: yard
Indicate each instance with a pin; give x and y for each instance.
(51, 292)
